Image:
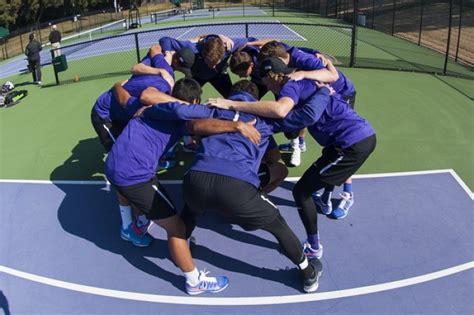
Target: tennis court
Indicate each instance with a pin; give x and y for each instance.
(406, 246)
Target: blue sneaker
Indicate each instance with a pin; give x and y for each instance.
(325, 208)
(207, 284)
(287, 147)
(312, 253)
(342, 209)
(132, 234)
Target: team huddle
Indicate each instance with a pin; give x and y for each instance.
(237, 160)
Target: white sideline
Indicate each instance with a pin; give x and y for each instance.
(290, 179)
(234, 301)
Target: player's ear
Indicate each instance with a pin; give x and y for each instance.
(196, 101)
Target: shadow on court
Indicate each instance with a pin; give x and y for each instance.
(91, 212)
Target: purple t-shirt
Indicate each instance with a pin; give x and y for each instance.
(107, 107)
(171, 44)
(137, 83)
(298, 91)
(134, 156)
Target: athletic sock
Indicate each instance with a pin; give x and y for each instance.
(313, 240)
(126, 215)
(348, 188)
(142, 220)
(192, 277)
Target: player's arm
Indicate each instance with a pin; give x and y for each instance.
(259, 42)
(270, 109)
(211, 126)
(151, 96)
(121, 95)
(313, 68)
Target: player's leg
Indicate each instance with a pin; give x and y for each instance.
(243, 204)
(324, 173)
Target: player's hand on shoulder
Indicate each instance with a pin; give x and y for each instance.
(325, 85)
(219, 103)
(248, 130)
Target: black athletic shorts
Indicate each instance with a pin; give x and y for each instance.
(240, 202)
(106, 130)
(264, 174)
(151, 198)
(336, 165)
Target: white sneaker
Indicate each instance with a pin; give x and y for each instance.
(295, 159)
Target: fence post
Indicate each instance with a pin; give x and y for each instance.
(137, 46)
(421, 22)
(246, 30)
(393, 16)
(449, 36)
(354, 33)
(273, 8)
(459, 30)
(21, 43)
(54, 68)
(373, 13)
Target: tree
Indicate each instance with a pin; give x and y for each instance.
(9, 12)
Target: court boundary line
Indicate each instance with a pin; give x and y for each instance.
(292, 31)
(289, 179)
(184, 33)
(236, 301)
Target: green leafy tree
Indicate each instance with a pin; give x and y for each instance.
(9, 12)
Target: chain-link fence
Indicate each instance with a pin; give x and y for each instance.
(117, 54)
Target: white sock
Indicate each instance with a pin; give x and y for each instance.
(295, 144)
(192, 277)
(126, 214)
(142, 220)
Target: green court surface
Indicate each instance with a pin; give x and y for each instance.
(422, 122)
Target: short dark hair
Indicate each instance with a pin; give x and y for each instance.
(245, 86)
(187, 89)
(213, 50)
(240, 62)
(31, 36)
(272, 49)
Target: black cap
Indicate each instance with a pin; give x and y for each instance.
(186, 60)
(275, 65)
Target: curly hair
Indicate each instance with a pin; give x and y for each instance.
(279, 78)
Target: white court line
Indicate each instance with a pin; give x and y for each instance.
(191, 29)
(235, 301)
(282, 24)
(289, 179)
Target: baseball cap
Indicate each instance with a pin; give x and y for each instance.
(275, 65)
(186, 60)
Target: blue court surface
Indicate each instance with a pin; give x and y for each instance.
(406, 247)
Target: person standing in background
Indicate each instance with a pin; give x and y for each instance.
(55, 40)
(32, 52)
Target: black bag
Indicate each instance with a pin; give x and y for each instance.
(14, 97)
